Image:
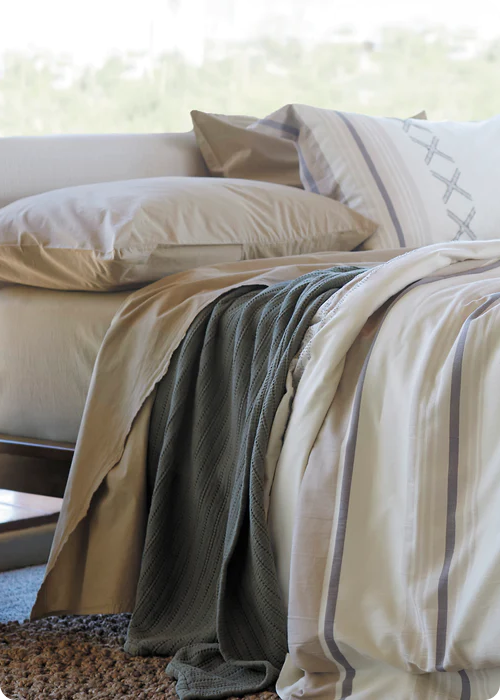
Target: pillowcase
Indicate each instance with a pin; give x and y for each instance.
(231, 149)
(422, 182)
(116, 235)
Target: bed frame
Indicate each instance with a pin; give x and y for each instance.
(35, 466)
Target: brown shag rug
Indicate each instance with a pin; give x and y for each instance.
(73, 658)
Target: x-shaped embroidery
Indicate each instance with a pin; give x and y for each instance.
(432, 149)
(463, 226)
(408, 123)
(451, 185)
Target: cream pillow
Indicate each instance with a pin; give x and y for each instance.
(231, 148)
(116, 235)
(422, 182)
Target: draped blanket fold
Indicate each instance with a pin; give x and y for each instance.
(208, 591)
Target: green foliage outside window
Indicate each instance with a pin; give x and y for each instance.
(451, 75)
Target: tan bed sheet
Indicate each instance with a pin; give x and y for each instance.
(95, 558)
(48, 344)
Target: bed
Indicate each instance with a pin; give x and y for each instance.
(54, 373)
(44, 383)
(311, 438)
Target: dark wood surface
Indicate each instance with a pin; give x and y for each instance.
(45, 449)
(34, 466)
(19, 511)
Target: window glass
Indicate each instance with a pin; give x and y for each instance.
(69, 66)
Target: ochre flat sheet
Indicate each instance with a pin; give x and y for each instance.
(97, 548)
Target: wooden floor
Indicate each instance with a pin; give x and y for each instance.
(19, 511)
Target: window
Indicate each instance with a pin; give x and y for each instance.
(69, 66)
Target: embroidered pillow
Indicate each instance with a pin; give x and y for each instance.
(422, 182)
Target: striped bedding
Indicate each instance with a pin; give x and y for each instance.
(382, 473)
(395, 555)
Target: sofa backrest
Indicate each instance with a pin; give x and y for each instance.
(33, 164)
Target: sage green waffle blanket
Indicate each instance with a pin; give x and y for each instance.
(208, 592)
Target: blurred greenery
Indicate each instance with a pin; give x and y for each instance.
(452, 75)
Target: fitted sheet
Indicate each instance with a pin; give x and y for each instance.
(48, 345)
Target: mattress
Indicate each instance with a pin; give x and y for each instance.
(49, 341)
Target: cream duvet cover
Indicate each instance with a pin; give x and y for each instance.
(382, 473)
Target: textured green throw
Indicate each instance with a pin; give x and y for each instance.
(208, 592)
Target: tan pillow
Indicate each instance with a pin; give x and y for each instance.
(116, 235)
(231, 150)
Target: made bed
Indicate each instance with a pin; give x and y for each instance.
(49, 338)
(308, 440)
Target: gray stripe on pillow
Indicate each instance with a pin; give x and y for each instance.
(279, 126)
(334, 191)
(292, 133)
(306, 173)
(376, 177)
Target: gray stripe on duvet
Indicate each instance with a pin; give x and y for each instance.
(452, 495)
(466, 691)
(336, 570)
(439, 278)
(338, 552)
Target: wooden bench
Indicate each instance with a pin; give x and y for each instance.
(33, 472)
(34, 466)
(27, 526)
(19, 511)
